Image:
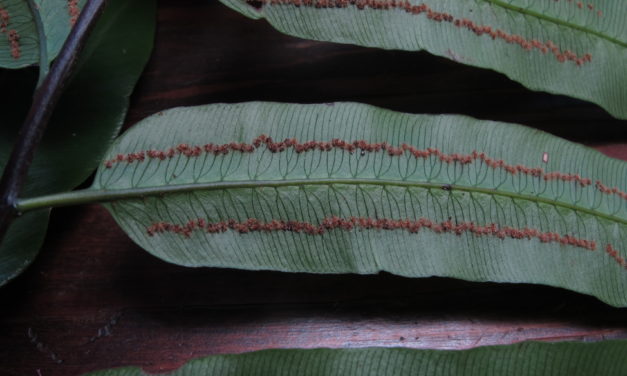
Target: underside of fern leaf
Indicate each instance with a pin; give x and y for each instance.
(565, 47)
(350, 188)
(19, 38)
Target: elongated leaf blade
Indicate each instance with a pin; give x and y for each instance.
(21, 244)
(84, 124)
(565, 47)
(530, 358)
(19, 38)
(357, 189)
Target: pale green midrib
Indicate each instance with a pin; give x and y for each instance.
(102, 195)
(556, 21)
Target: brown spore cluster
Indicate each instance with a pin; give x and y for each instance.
(418, 9)
(613, 253)
(365, 223)
(360, 146)
(610, 191)
(581, 5)
(4, 20)
(73, 10)
(12, 35)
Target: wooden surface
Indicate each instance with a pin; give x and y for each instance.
(94, 300)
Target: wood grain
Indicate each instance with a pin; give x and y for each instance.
(94, 300)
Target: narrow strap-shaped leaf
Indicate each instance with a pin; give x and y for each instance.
(352, 188)
(568, 47)
(523, 359)
(19, 40)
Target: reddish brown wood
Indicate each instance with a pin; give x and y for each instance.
(94, 300)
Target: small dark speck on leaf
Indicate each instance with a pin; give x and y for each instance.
(447, 187)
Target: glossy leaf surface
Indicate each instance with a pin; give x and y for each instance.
(530, 358)
(560, 46)
(349, 188)
(84, 123)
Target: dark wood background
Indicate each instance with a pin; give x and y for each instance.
(93, 299)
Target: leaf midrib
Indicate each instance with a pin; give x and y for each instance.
(104, 195)
(556, 21)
